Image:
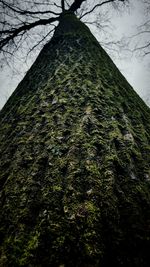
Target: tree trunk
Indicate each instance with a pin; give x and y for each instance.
(75, 160)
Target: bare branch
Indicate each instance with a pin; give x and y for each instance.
(27, 12)
(25, 27)
(99, 5)
(63, 5)
(139, 42)
(76, 4)
(142, 47)
(57, 5)
(37, 44)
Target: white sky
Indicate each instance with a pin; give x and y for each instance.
(135, 70)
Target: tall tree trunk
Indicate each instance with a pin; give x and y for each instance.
(75, 160)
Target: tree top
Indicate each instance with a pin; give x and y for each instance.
(25, 25)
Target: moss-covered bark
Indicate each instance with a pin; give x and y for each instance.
(75, 161)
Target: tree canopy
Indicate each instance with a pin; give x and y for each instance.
(22, 23)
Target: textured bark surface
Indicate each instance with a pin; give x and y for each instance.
(75, 161)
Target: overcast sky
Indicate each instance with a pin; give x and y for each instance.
(136, 70)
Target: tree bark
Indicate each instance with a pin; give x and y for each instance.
(74, 157)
